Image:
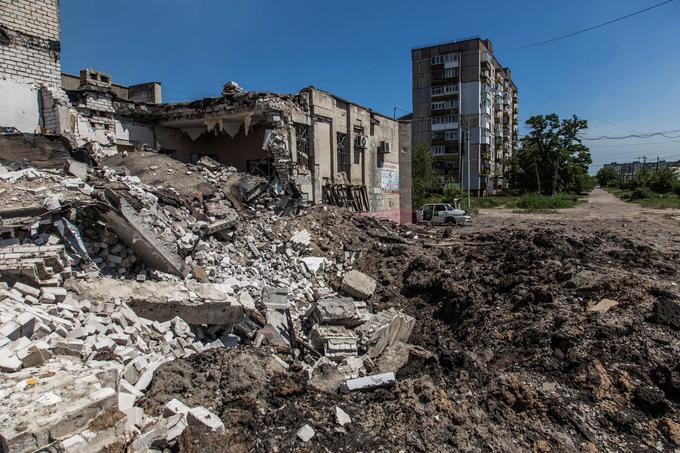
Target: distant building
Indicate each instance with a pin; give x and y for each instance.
(627, 170)
(461, 85)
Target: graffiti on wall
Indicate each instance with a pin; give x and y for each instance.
(390, 178)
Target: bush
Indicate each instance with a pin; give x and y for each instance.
(537, 202)
(452, 191)
(640, 192)
(664, 181)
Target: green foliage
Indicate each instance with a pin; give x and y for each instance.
(640, 193)
(647, 198)
(663, 181)
(451, 191)
(422, 174)
(538, 202)
(607, 177)
(552, 158)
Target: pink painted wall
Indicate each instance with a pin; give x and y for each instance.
(395, 215)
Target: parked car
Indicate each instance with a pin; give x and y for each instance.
(443, 213)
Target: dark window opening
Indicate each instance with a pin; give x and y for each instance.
(93, 76)
(5, 37)
(105, 79)
(304, 157)
(343, 153)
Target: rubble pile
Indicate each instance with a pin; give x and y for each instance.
(535, 339)
(110, 273)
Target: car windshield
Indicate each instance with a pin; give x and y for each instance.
(449, 207)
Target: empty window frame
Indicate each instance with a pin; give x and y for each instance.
(342, 147)
(302, 145)
(450, 73)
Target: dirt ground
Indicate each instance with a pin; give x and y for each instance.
(523, 356)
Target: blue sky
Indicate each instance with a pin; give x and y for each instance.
(623, 78)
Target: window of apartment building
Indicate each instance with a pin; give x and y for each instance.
(437, 91)
(444, 119)
(450, 89)
(437, 136)
(451, 57)
(451, 135)
(444, 105)
(439, 150)
(450, 73)
(446, 58)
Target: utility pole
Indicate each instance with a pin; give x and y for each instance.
(467, 139)
(657, 164)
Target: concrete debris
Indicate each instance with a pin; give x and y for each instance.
(108, 273)
(341, 417)
(200, 416)
(305, 433)
(385, 329)
(371, 382)
(335, 342)
(338, 311)
(357, 284)
(603, 306)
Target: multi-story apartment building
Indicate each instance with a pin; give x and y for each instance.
(460, 87)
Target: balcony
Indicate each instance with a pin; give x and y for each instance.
(485, 58)
(485, 168)
(485, 75)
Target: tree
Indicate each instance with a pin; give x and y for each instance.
(607, 177)
(552, 158)
(422, 174)
(664, 181)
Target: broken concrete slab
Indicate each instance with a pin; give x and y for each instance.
(357, 284)
(196, 303)
(200, 416)
(371, 382)
(55, 401)
(384, 329)
(130, 228)
(175, 407)
(338, 311)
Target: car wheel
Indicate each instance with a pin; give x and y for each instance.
(450, 220)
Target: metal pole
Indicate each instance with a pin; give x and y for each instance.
(467, 137)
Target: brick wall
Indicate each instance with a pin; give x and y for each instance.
(29, 41)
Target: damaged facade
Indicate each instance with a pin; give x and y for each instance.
(333, 150)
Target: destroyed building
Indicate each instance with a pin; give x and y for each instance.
(334, 150)
(135, 233)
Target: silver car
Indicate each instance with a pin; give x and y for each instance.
(443, 213)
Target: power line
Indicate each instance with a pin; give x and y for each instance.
(664, 146)
(625, 137)
(625, 145)
(569, 35)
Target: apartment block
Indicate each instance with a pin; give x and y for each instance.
(460, 88)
